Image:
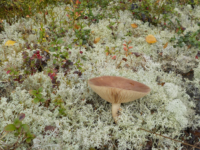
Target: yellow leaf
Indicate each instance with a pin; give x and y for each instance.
(165, 45)
(96, 40)
(134, 25)
(151, 39)
(46, 50)
(10, 43)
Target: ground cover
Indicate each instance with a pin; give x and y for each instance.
(50, 52)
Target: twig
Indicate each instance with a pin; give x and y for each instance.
(170, 138)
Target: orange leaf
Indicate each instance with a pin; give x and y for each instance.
(189, 46)
(165, 45)
(151, 39)
(134, 25)
(124, 44)
(130, 47)
(125, 49)
(76, 26)
(177, 29)
(96, 40)
(77, 2)
(77, 14)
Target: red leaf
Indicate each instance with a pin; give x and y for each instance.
(8, 72)
(114, 57)
(125, 49)
(130, 47)
(21, 116)
(124, 59)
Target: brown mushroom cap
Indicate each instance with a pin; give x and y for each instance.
(118, 89)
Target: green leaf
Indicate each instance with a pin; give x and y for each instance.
(70, 46)
(25, 127)
(16, 134)
(40, 89)
(33, 92)
(10, 127)
(62, 56)
(59, 41)
(42, 100)
(30, 135)
(83, 57)
(51, 49)
(17, 123)
(28, 140)
(39, 96)
(36, 100)
(18, 131)
(53, 43)
(54, 61)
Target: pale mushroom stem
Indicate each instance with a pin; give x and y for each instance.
(115, 109)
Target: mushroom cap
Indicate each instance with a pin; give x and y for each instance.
(118, 89)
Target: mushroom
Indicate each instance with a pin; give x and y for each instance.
(117, 90)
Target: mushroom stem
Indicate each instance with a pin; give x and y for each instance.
(115, 109)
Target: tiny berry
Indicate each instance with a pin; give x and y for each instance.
(81, 52)
(38, 56)
(37, 52)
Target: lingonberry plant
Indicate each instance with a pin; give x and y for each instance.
(21, 131)
(191, 39)
(37, 95)
(34, 63)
